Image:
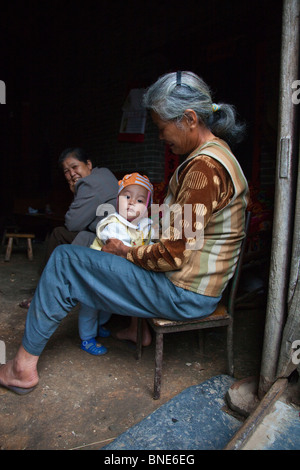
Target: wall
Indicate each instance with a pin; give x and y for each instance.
(70, 66)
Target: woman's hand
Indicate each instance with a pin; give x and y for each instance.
(116, 247)
(71, 185)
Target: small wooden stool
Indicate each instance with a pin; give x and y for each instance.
(11, 237)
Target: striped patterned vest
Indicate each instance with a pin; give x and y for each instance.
(209, 269)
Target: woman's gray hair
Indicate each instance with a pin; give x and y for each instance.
(173, 93)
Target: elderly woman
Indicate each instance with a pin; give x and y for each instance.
(177, 275)
(91, 187)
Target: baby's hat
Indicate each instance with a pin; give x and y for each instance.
(136, 178)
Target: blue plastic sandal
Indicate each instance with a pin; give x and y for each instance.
(103, 332)
(91, 347)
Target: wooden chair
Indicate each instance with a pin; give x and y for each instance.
(221, 317)
(17, 236)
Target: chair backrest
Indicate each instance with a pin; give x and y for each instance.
(234, 282)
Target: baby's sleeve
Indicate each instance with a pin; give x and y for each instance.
(113, 230)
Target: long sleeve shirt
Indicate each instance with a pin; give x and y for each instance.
(209, 194)
(100, 187)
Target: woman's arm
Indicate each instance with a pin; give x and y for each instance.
(204, 186)
(83, 208)
(99, 187)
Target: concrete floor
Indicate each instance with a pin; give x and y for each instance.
(85, 402)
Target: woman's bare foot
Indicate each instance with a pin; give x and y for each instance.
(130, 333)
(20, 371)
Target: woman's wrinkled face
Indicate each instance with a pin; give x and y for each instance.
(75, 169)
(177, 137)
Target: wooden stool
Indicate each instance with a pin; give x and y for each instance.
(11, 237)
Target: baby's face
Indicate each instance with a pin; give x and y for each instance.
(133, 202)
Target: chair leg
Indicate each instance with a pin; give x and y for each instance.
(29, 249)
(158, 364)
(139, 338)
(8, 249)
(230, 364)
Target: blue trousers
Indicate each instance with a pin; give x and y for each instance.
(106, 282)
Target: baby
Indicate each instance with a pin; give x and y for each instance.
(131, 225)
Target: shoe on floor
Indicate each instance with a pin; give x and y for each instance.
(92, 347)
(103, 332)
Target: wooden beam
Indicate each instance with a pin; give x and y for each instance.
(291, 331)
(286, 171)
